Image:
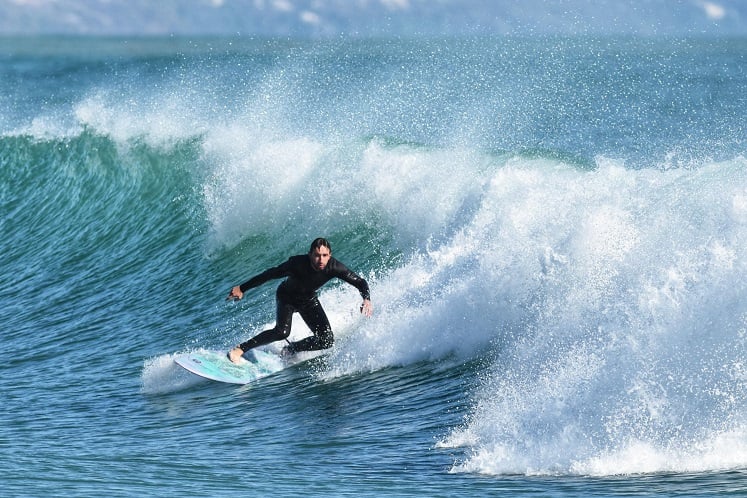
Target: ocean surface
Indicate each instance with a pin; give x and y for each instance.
(554, 231)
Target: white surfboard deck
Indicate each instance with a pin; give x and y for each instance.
(215, 365)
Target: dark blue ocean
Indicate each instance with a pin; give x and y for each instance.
(554, 231)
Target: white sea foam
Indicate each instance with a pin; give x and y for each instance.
(618, 296)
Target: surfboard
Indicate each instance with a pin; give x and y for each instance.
(215, 365)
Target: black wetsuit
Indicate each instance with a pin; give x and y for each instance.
(297, 293)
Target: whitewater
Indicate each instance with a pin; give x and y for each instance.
(554, 232)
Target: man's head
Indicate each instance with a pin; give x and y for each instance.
(319, 253)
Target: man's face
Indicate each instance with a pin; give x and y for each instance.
(320, 257)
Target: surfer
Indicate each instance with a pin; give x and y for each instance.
(304, 275)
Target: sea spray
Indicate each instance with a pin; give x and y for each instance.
(633, 327)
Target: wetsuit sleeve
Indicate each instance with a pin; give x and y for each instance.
(267, 275)
(353, 279)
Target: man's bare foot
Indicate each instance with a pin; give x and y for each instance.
(235, 354)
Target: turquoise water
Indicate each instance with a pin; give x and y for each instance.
(554, 232)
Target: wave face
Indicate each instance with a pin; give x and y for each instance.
(556, 229)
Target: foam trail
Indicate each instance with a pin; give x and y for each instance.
(160, 375)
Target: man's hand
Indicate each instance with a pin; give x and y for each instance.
(367, 307)
(235, 294)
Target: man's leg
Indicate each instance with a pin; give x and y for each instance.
(316, 319)
(281, 331)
